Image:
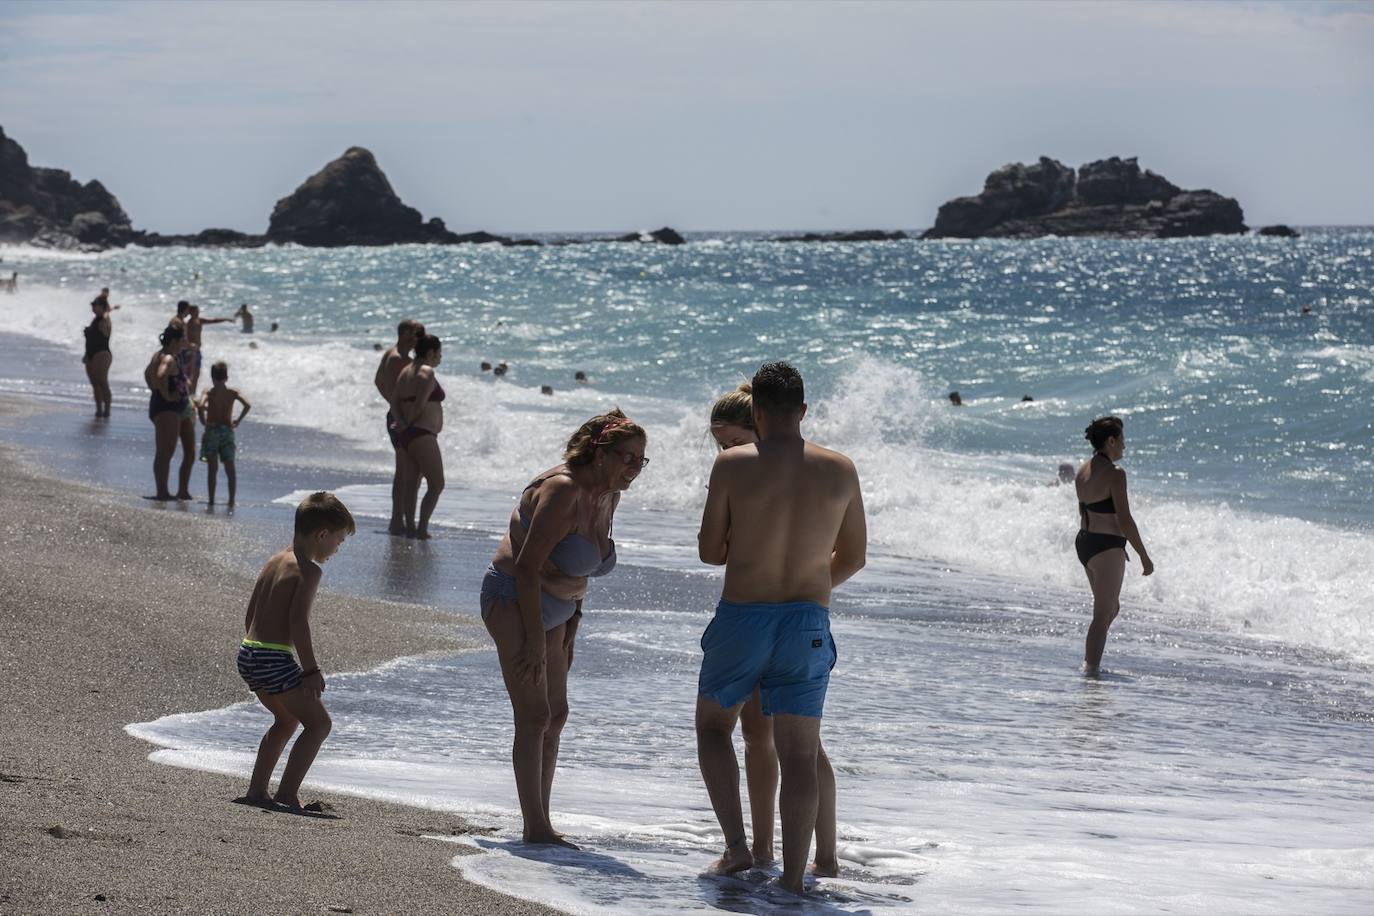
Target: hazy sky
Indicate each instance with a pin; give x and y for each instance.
(703, 115)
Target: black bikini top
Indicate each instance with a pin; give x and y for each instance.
(1102, 506)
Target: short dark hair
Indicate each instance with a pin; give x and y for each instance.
(778, 388)
(409, 326)
(426, 342)
(219, 372)
(323, 510)
(183, 307)
(1102, 429)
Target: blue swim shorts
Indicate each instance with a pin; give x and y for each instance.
(268, 666)
(785, 650)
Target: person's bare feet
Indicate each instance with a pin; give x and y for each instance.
(422, 535)
(258, 801)
(763, 855)
(396, 530)
(821, 869)
(184, 496)
(549, 839)
(737, 858)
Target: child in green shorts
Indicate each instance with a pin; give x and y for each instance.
(216, 409)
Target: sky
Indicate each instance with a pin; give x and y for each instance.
(573, 116)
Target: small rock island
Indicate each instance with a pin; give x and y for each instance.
(1110, 198)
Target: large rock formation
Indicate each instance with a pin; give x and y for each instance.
(49, 207)
(1111, 198)
(350, 202)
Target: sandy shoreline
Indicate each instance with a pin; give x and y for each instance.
(97, 638)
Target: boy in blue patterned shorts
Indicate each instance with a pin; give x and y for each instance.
(216, 409)
(278, 626)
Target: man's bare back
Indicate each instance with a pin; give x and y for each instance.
(786, 519)
(779, 511)
(391, 365)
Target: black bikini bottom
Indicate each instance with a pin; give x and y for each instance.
(1090, 543)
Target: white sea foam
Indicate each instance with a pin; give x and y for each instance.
(976, 773)
(1286, 578)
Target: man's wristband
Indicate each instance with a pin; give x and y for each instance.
(310, 672)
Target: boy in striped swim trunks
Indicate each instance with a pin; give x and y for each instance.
(278, 627)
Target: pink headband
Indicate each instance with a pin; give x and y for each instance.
(615, 423)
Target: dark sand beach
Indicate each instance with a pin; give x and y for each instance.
(95, 638)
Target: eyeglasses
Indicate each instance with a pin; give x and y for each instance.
(631, 461)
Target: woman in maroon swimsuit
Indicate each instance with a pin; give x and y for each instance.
(417, 403)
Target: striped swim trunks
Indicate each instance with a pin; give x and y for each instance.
(269, 666)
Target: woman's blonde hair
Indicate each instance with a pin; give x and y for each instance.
(602, 431)
(735, 408)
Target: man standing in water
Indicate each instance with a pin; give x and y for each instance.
(194, 325)
(786, 519)
(393, 361)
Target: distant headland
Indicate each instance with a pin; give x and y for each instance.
(350, 202)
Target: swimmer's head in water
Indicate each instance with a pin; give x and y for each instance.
(219, 372)
(1102, 431)
(182, 308)
(778, 389)
(732, 418)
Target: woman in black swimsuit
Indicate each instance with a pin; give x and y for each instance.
(97, 358)
(417, 403)
(1106, 526)
(166, 403)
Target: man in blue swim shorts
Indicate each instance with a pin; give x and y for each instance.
(786, 519)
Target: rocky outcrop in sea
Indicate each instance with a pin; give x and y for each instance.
(1110, 198)
(47, 206)
(350, 202)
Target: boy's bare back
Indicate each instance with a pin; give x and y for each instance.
(219, 405)
(285, 590)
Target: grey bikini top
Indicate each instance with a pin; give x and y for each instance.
(575, 555)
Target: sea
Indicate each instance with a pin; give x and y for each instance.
(1220, 764)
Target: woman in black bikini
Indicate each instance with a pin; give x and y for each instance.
(166, 403)
(97, 358)
(417, 403)
(1106, 526)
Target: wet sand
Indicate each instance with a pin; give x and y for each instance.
(115, 613)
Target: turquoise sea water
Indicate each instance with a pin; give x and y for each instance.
(1241, 708)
